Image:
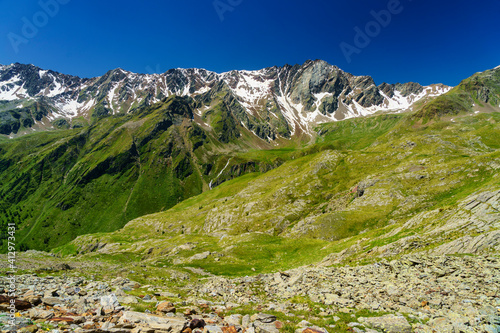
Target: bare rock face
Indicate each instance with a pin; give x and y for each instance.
(409, 88)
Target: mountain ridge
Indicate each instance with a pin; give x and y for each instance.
(275, 101)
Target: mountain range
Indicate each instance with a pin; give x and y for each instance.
(294, 152)
(271, 103)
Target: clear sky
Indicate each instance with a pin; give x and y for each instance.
(412, 40)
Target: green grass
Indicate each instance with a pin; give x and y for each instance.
(357, 133)
(277, 209)
(265, 253)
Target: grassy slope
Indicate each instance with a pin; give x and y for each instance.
(57, 185)
(479, 90)
(309, 207)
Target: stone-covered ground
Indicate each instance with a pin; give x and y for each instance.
(411, 294)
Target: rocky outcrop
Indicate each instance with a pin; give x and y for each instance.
(409, 88)
(488, 242)
(471, 227)
(484, 86)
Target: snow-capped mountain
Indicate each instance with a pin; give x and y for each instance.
(276, 101)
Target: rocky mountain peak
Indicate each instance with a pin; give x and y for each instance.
(409, 88)
(285, 100)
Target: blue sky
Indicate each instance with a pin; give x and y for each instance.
(425, 41)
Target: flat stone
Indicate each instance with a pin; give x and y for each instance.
(51, 301)
(127, 299)
(261, 327)
(35, 300)
(212, 329)
(200, 256)
(234, 319)
(441, 324)
(315, 329)
(388, 323)
(229, 329)
(29, 329)
(170, 324)
(245, 321)
(263, 318)
(61, 319)
(169, 294)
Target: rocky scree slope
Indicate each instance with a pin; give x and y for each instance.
(412, 294)
(275, 102)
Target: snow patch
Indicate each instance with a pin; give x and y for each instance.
(69, 108)
(250, 90)
(220, 173)
(8, 93)
(201, 90)
(319, 98)
(111, 96)
(58, 89)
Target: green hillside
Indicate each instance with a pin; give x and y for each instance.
(56, 185)
(480, 90)
(336, 195)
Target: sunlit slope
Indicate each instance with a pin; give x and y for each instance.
(339, 192)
